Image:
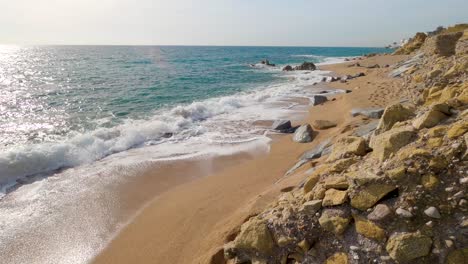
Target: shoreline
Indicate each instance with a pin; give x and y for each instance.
(225, 199)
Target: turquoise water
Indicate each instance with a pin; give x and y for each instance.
(63, 106)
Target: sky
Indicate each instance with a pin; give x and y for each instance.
(223, 22)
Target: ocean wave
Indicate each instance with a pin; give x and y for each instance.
(223, 119)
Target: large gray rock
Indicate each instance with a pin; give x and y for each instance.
(318, 99)
(368, 112)
(281, 125)
(304, 134)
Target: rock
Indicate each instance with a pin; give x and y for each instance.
(405, 247)
(288, 68)
(429, 181)
(392, 114)
(370, 194)
(267, 63)
(429, 119)
(357, 75)
(281, 125)
(369, 229)
(334, 221)
(434, 73)
(323, 124)
(432, 212)
(255, 235)
(458, 129)
(311, 182)
(397, 173)
(373, 66)
(380, 213)
(334, 197)
(458, 256)
(342, 164)
(347, 146)
(318, 99)
(370, 112)
(442, 44)
(388, 143)
(311, 207)
(413, 44)
(304, 134)
(306, 66)
(338, 258)
(403, 213)
(336, 182)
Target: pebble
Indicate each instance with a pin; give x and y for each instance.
(432, 212)
(430, 224)
(403, 213)
(458, 195)
(353, 248)
(449, 189)
(462, 202)
(464, 180)
(449, 243)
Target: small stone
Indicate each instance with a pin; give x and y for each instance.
(369, 229)
(403, 213)
(311, 207)
(334, 197)
(448, 243)
(353, 248)
(380, 212)
(432, 212)
(334, 221)
(338, 258)
(323, 124)
(430, 224)
(429, 181)
(370, 195)
(406, 247)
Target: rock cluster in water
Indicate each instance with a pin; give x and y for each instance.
(397, 195)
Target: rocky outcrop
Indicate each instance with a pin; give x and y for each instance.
(412, 45)
(306, 66)
(288, 68)
(395, 195)
(442, 44)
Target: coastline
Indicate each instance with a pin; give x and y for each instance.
(214, 206)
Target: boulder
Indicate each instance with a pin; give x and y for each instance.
(405, 247)
(304, 134)
(267, 63)
(392, 114)
(318, 99)
(311, 182)
(347, 146)
(334, 221)
(388, 143)
(369, 112)
(306, 66)
(255, 235)
(334, 197)
(442, 44)
(323, 124)
(429, 119)
(281, 125)
(288, 68)
(369, 229)
(380, 213)
(370, 194)
(338, 258)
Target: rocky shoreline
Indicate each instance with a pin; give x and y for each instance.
(388, 191)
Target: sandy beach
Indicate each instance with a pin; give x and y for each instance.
(190, 222)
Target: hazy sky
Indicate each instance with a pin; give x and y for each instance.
(223, 22)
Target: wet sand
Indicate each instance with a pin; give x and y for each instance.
(191, 221)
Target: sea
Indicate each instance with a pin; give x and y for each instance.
(76, 119)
